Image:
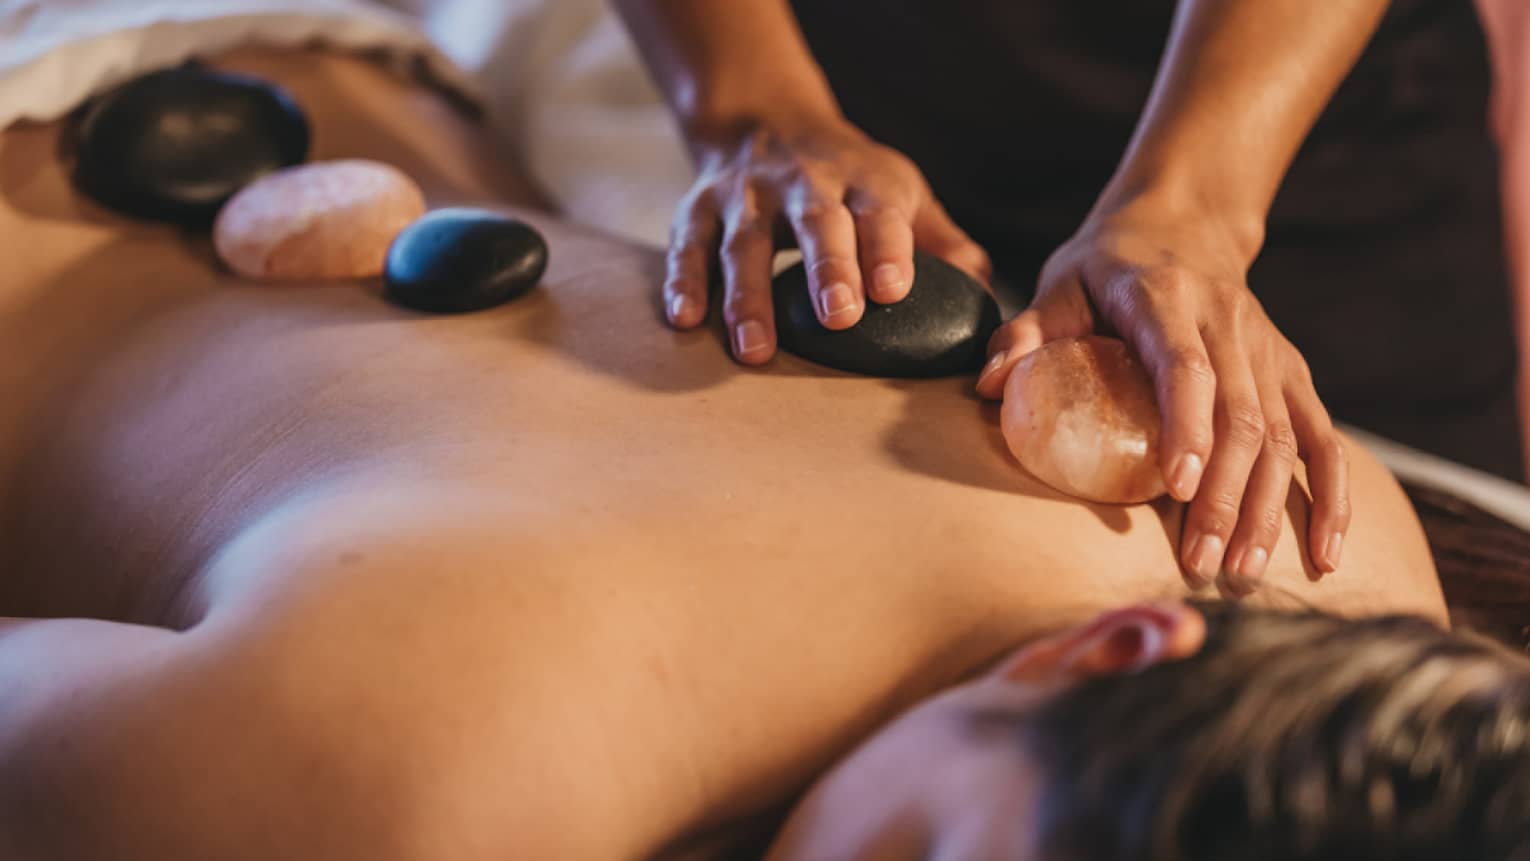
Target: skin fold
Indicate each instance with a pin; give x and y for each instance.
(294, 573)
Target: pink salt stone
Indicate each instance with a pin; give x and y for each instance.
(328, 220)
(1080, 415)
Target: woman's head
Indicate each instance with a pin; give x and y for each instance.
(1180, 732)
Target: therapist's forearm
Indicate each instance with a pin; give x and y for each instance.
(1241, 84)
(727, 67)
(1508, 28)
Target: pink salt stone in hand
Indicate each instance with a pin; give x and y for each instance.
(1080, 415)
(327, 220)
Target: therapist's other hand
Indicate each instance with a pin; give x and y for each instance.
(855, 208)
(1238, 404)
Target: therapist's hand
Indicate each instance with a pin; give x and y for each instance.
(857, 210)
(1239, 408)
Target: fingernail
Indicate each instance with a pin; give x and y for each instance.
(994, 364)
(836, 299)
(1334, 550)
(1252, 564)
(1187, 477)
(678, 305)
(888, 279)
(748, 337)
(1206, 557)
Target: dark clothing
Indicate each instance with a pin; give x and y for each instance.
(1384, 259)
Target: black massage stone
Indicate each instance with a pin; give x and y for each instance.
(459, 260)
(940, 330)
(175, 145)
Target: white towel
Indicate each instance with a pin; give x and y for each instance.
(56, 53)
(565, 86)
(558, 78)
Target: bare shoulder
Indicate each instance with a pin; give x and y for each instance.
(1387, 566)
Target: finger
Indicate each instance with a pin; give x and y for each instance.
(935, 233)
(1003, 354)
(746, 256)
(1321, 448)
(886, 238)
(1172, 349)
(692, 247)
(1060, 312)
(826, 234)
(1239, 429)
(1264, 501)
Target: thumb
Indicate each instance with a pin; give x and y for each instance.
(1058, 313)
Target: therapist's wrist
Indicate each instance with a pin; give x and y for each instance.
(1225, 208)
(724, 126)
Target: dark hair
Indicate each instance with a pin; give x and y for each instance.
(1297, 737)
(1484, 564)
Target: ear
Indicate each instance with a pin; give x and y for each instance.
(1122, 641)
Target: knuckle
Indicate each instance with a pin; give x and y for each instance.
(1221, 508)
(750, 194)
(894, 169)
(980, 260)
(1341, 511)
(798, 177)
(1224, 322)
(1216, 520)
(1341, 508)
(1280, 440)
(1297, 363)
(902, 165)
(804, 165)
(1244, 424)
(830, 266)
(883, 196)
(1168, 285)
(1333, 450)
(745, 236)
(738, 303)
(878, 213)
(1266, 523)
(1192, 363)
(817, 215)
(965, 255)
(1233, 300)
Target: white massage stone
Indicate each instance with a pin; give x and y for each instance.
(1080, 415)
(321, 221)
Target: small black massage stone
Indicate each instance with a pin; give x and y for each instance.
(940, 330)
(458, 260)
(175, 145)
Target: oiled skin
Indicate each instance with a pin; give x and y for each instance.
(390, 587)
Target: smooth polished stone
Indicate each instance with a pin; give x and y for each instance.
(1080, 415)
(941, 329)
(460, 260)
(175, 145)
(329, 220)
